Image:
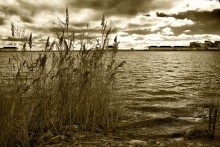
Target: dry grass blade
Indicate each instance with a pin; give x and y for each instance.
(12, 29)
(62, 89)
(30, 41)
(47, 43)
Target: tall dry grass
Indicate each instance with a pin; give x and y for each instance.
(54, 90)
(213, 105)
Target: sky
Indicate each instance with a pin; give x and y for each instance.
(137, 23)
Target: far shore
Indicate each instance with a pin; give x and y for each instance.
(120, 50)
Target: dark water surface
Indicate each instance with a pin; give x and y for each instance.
(177, 74)
(161, 79)
(162, 83)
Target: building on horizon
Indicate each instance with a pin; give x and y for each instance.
(195, 45)
(206, 45)
(9, 49)
(169, 48)
(161, 48)
(217, 44)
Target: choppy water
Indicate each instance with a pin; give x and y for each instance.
(162, 82)
(171, 74)
(163, 79)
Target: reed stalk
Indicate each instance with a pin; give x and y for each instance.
(54, 90)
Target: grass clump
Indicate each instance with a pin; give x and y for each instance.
(57, 89)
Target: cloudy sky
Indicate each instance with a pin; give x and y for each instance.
(137, 23)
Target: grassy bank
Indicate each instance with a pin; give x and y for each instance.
(56, 90)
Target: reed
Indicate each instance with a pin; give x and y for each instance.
(213, 105)
(54, 90)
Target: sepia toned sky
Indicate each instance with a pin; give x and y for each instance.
(137, 23)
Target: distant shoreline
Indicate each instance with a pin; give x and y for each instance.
(124, 51)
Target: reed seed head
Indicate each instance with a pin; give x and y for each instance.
(30, 41)
(13, 29)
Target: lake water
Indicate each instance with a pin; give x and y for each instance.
(162, 79)
(171, 74)
(155, 81)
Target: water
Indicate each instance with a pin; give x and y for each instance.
(166, 74)
(162, 83)
(162, 79)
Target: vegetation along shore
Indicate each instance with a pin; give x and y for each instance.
(68, 98)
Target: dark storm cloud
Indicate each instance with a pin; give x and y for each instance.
(119, 7)
(160, 14)
(55, 30)
(139, 31)
(129, 7)
(198, 28)
(81, 24)
(26, 10)
(10, 10)
(15, 11)
(198, 16)
(33, 9)
(26, 19)
(2, 21)
(15, 39)
(135, 25)
(205, 22)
